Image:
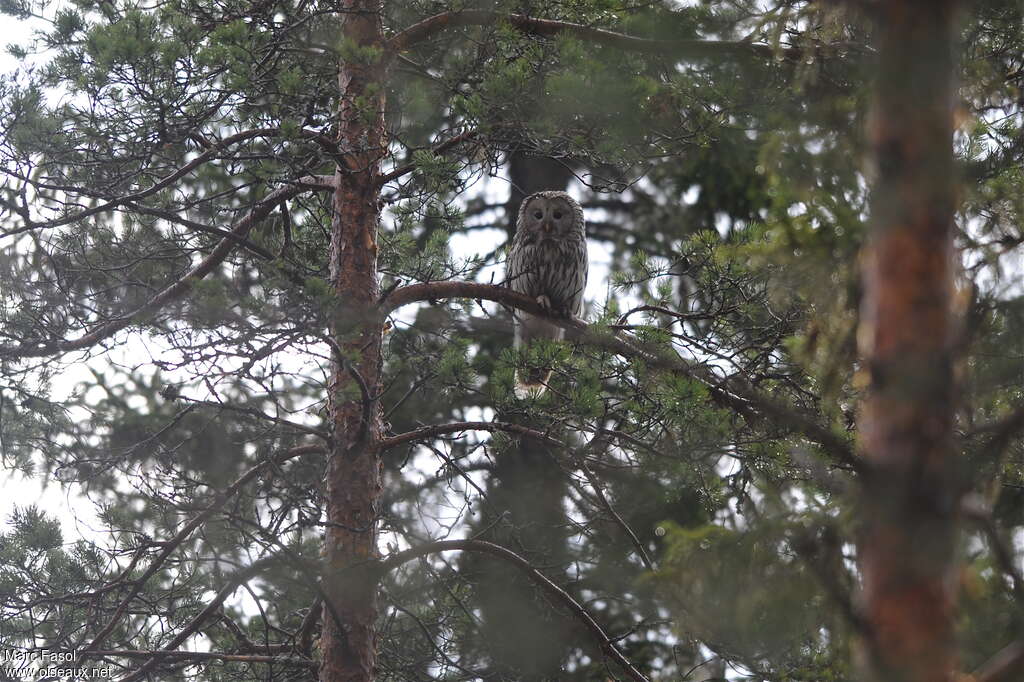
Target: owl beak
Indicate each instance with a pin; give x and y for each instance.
(547, 227)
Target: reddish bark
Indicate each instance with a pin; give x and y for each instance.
(907, 344)
(353, 485)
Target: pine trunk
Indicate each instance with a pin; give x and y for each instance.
(907, 338)
(353, 485)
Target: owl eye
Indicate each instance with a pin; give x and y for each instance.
(538, 215)
(558, 214)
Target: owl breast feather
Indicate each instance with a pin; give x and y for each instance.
(553, 268)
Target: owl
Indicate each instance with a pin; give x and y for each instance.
(548, 262)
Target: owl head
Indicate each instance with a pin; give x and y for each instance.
(549, 215)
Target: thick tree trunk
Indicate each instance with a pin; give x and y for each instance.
(907, 339)
(353, 485)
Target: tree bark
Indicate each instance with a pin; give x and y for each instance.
(907, 342)
(353, 485)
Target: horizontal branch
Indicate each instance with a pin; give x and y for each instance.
(427, 432)
(206, 656)
(732, 393)
(174, 291)
(259, 414)
(395, 560)
(679, 49)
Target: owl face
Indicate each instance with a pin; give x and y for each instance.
(546, 218)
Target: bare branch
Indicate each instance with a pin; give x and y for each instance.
(606, 503)
(975, 509)
(395, 560)
(171, 545)
(234, 581)
(259, 414)
(425, 432)
(1005, 666)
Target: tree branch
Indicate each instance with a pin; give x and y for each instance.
(171, 545)
(240, 577)
(395, 560)
(439, 149)
(168, 180)
(205, 656)
(425, 432)
(1006, 666)
(680, 49)
(732, 393)
(176, 290)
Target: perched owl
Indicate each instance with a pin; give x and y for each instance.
(548, 262)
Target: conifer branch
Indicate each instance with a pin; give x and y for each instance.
(110, 203)
(731, 393)
(172, 292)
(679, 49)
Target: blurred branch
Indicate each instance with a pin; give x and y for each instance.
(425, 432)
(1005, 666)
(259, 414)
(975, 509)
(206, 656)
(581, 462)
(395, 560)
(679, 49)
(1002, 430)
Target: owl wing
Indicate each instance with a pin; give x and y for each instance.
(522, 276)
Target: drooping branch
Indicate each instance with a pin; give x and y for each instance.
(732, 393)
(176, 290)
(579, 612)
(679, 49)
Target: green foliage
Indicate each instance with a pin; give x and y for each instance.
(746, 590)
(724, 197)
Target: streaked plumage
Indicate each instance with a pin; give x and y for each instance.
(548, 262)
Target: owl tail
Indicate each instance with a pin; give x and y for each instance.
(533, 384)
(532, 381)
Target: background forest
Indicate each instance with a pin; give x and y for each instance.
(251, 311)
